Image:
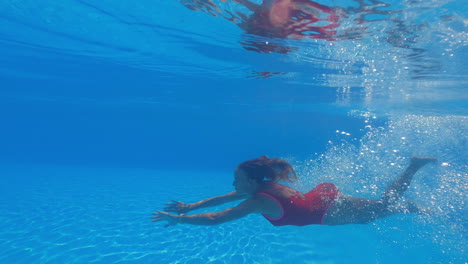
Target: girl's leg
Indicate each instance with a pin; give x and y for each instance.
(396, 189)
(354, 210)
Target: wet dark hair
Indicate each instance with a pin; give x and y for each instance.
(265, 168)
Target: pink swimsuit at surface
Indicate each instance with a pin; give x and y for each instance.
(299, 212)
(310, 19)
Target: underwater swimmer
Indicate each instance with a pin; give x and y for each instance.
(256, 182)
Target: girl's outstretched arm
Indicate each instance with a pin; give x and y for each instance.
(246, 207)
(181, 207)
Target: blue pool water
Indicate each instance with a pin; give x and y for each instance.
(110, 109)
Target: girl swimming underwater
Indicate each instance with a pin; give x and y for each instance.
(256, 182)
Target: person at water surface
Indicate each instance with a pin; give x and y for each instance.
(295, 19)
(256, 182)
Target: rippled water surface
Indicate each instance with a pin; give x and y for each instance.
(110, 109)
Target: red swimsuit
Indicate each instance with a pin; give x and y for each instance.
(307, 19)
(299, 212)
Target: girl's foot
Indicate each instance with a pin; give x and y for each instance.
(414, 208)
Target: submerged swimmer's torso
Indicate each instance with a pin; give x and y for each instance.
(301, 209)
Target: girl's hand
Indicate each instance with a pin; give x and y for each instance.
(177, 207)
(163, 216)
